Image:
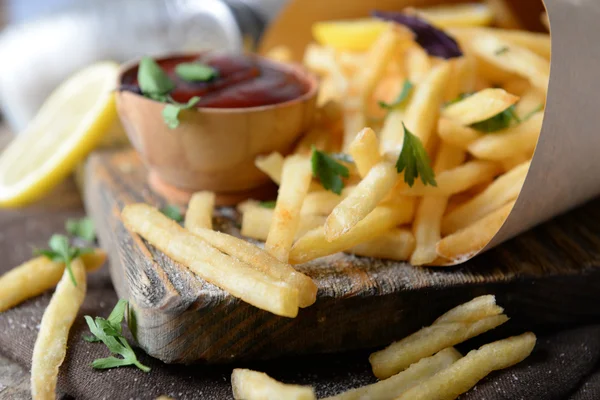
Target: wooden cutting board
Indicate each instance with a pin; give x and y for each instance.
(548, 276)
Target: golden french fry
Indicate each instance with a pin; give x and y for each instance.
(253, 385)
(454, 327)
(513, 58)
(456, 134)
(354, 122)
(319, 59)
(314, 244)
(35, 276)
(256, 222)
(272, 165)
(461, 376)
(240, 280)
(503, 14)
(463, 77)
(531, 101)
(280, 53)
(394, 386)
(468, 241)
(51, 344)
(539, 43)
(504, 189)
(262, 261)
(510, 142)
(480, 106)
(396, 244)
(510, 163)
(200, 211)
(519, 87)
(457, 15)
(318, 137)
(295, 180)
(417, 63)
(323, 202)
(362, 200)
(392, 133)
(364, 149)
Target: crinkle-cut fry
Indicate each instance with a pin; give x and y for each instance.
(473, 310)
(252, 385)
(461, 376)
(362, 200)
(457, 15)
(323, 202)
(390, 388)
(262, 261)
(428, 218)
(314, 244)
(391, 136)
(35, 276)
(256, 222)
(272, 165)
(280, 53)
(417, 63)
(429, 340)
(200, 210)
(423, 109)
(456, 134)
(454, 180)
(504, 189)
(364, 149)
(51, 344)
(317, 137)
(504, 15)
(480, 106)
(396, 244)
(295, 180)
(468, 241)
(510, 142)
(228, 273)
(513, 58)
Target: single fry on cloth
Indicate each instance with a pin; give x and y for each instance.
(461, 376)
(390, 388)
(262, 261)
(504, 189)
(457, 15)
(382, 219)
(473, 310)
(295, 180)
(252, 385)
(456, 134)
(228, 273)
(480, 106)
(396, 244)
(468, 241)
(200, 211)
(272, 165)
(364, 149)
(256, 222)
(51, 344)
(35, 276)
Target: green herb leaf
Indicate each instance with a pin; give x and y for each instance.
(498, 122)
(61, 251)
(152, 79)
(329, 171)
(195, 72)
(268, 204)
(118, 314)
(90, 338)
(171, 111)
(414, 161)
(82, 228)
(406, 89)
(501, 50)
(342, 157)
(172, 212)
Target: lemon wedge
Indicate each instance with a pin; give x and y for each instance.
(69, 125)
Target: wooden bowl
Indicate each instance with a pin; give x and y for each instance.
(213, 148)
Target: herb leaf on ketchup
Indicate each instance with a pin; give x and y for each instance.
(433, 40)
(329, 171)
(406, 88)
(171, 111)
(414, 161)
(153, 81)
(195, 72)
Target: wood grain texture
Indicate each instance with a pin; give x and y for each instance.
(547, 276)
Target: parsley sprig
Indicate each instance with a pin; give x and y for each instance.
(414, 161)
(172, 212)
(60, 250)
(328, 171)
(268, 204)
(110, 332)
(498, 122)
(82, 228)
(404, 93)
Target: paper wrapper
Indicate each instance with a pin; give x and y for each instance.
(565, 170)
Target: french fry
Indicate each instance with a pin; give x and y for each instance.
(457, 15)
(323, 202)
(539, 43)
(456, 134)
(240, 280)
(280, 53)
(418, 64)
(252, 385)
(518, 87)
(382, 219)
(503, 14)
(471, 311)
(364, 149)
(510, 163)
(272, 165)
(396, 244)
(350, 35)
(394, 386)
(510, 142)
(295, 180)
(361, 201)
(461, 376)
(391, 135)
(318, 137)
(468, 241)
(35, 276)
(320, 59)
(531, 101)
(447, 331)
(262, 261)
(463, 77)
(51, 344)
(480, 106)
(354, 122)
(200, 210)
(256, 222)
(504, 189)
(513, 58)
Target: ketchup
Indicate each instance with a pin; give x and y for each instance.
(242, 81)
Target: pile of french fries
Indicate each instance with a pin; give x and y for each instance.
(422, 366)
(479, 173)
